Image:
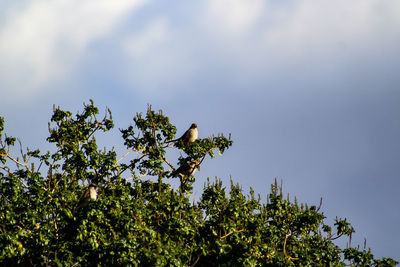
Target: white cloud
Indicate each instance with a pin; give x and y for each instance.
(251, 41)
(233, 16)
(334, 41)
(158, 57)
(42, 40)
(319, 25)
(156, 33)
(300, 22)
(270, 38)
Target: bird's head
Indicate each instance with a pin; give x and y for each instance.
(193, 126)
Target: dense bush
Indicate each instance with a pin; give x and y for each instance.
(146, 222)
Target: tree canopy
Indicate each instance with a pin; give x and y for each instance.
(139, 218)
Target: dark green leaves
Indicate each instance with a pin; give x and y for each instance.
(141, 222)
(150, 143)
(77, 147)
(343, 227)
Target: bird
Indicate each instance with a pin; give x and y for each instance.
(186, 169)
(90, 194)
(189, 136)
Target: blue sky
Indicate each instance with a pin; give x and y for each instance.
(309, 89)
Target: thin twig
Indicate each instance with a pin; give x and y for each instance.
(22, 151)
(154, 136)
(6, 198)
(169, 145)
(204, 156)
(166, 161)
(138, 177)
(284, 248)
(228, 234)
(284, 243)
(40, 165)
(55, 226)
(336, 237)
(59, 180)
(194, 197)
(320, 204)
(124, 156)
(195, 262)
(16, 161)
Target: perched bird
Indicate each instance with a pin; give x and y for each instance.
(189, 136)
(90, 194)
(187, 169)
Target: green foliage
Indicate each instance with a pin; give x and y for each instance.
(142, 221)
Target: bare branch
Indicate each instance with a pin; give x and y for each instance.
(336, 237)
(19, 164)
(124, 156)
(6, 198)
(284, 247)
(195, 262)
(136, 177)
(169, 164)
(228, 234)
(284, 243)
(320, 204)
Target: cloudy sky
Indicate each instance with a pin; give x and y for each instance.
(309, 89)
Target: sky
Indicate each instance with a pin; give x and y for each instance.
(309, 89)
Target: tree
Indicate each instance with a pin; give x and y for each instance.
(147, 222)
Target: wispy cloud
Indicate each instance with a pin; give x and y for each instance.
(159, 57)
(254, 40)
(41, 41)
(233, 16)
(323, 27)
(154, 35)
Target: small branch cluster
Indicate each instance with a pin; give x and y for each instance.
(154, 135)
